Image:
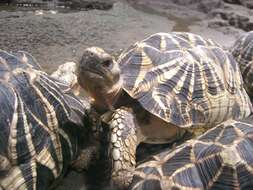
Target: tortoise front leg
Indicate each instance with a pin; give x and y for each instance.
(123, 140)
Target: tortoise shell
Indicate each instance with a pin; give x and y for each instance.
(184, 79)
(219, 159)
(242, 50)
(41, 124)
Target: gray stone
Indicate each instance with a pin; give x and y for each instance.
(247, 3)
(232, 1)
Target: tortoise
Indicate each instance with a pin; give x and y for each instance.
(219, 159)
(242, 50)
(44, 128)
(159, 89)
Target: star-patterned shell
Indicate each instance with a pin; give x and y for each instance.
(184, 79)
(242, 50)
(219, 159)
(40, 123)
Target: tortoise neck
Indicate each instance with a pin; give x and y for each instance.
(114, 93)
(105, 101)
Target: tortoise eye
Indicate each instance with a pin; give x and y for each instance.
(107, 63)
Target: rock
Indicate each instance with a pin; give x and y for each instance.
(91, 4)
(249, 26)
(199, 5)
(236, 16)
(232, 1)
(238, 21)
(220, 13)
(217, 23)
(247, 3)
(208, 5)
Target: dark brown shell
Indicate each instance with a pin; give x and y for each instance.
(184, 79)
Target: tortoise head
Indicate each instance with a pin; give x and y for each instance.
(99, 74)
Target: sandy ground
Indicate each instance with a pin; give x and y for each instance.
(56, 38)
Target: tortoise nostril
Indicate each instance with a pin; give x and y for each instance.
(91, 54)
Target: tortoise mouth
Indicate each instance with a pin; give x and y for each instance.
(96, 73)
(91, 68)
(92, 71)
